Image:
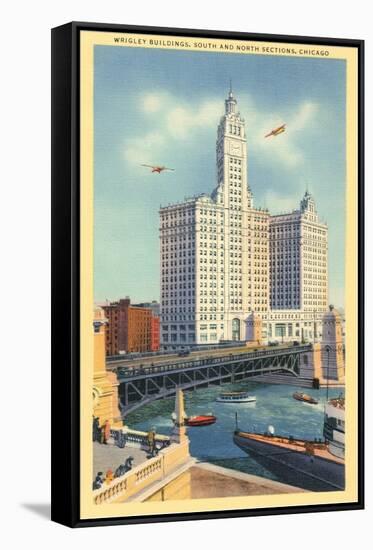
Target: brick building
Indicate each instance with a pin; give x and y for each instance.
(130, 328)
(155, 334)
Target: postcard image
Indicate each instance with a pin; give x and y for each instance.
(218, 260)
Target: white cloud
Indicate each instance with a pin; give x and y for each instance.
(285, 147)
(152, 103)
(175, 121)
(144, 149)
(279, 203)
(303, 116)
(180, 121)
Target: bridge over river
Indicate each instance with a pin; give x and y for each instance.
(142, 383)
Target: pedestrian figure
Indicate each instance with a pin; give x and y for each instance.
(98, 481)
(124, 468)
(109, 477)
(106, 430)
(151, 441)
(96, 429)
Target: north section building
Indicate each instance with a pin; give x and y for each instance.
(130, 328)
(298, 259)
(223, 260)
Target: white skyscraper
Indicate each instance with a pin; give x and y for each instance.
(215, 252)
(298, 253)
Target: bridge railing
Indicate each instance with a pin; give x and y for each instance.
(135, 438)
(129, 372)
(146, 354)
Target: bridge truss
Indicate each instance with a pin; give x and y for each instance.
(140, 386)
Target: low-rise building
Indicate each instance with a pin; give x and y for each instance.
(155, 334)
(130, 328)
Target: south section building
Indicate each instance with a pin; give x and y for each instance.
(130, 328)
(223, 260)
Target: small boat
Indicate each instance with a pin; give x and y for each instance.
(235, 397)
(201, 420)
(299, 396)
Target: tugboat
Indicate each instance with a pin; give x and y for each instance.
(299, 396)
(235, 397)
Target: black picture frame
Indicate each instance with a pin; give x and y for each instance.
(66, 272)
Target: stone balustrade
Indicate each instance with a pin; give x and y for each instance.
(110, 492)
(149, 470)
(136, 438)
(152, 470)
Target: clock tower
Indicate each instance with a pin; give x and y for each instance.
(231, 158)
(235, 198)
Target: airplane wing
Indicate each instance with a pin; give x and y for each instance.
(147, 165)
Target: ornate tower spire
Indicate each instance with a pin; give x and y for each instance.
(308, 206)
(231, 151)
(230, 102)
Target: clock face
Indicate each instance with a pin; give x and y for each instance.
(235, 148)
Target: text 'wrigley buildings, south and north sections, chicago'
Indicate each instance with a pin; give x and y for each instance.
(230, 271)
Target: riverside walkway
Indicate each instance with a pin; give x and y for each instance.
(109, 457)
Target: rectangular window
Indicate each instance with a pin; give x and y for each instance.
(280, 329)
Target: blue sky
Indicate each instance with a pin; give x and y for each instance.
(163, 107)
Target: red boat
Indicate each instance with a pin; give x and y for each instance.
(202, 420)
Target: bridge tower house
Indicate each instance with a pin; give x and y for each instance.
(253, 329)
(105, 384)
(332, 354)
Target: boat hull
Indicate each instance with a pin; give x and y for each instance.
(200, 421)
(306, 399)
(293, 467)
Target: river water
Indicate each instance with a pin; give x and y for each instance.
(274, 406)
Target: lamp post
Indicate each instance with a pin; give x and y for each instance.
(327, 349)
(314, 326)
